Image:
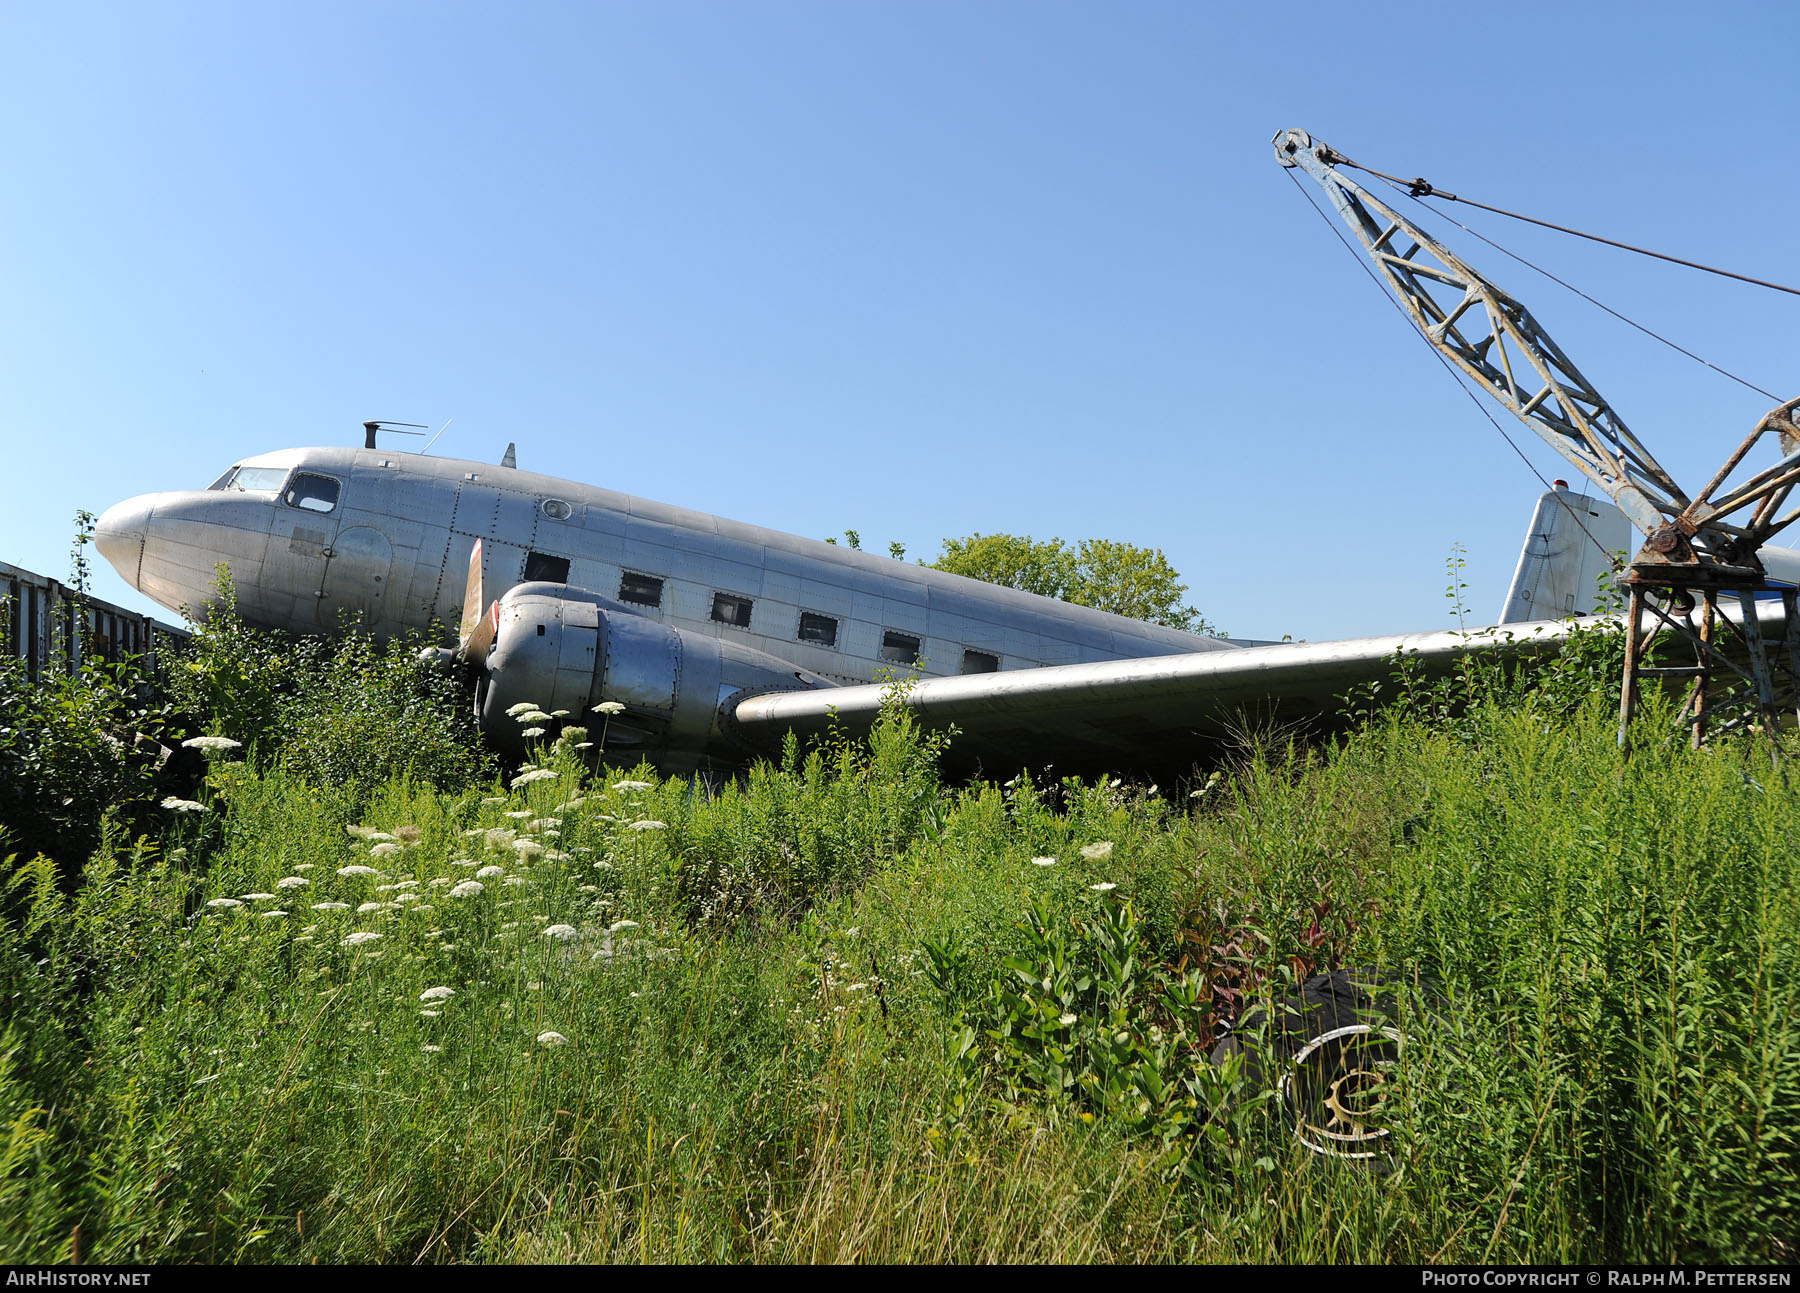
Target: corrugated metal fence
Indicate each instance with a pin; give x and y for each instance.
(37, 624)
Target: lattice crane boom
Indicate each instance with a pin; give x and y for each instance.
(1499, 344)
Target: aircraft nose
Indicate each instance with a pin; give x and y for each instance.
(120, 533)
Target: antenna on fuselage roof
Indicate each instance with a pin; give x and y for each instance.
(370, 428)
(434, 439)
(510, 458)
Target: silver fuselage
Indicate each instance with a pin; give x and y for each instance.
(393, 548)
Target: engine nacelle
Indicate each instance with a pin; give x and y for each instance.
(562, 647)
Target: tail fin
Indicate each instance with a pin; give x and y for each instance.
(1570, 544)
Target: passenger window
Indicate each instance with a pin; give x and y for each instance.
(731, 610)
(821, 629)
(311, 493)
(899, 648)
(548, 569)
(980, 662)
(643, 590)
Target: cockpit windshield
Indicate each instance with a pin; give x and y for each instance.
(259, 479)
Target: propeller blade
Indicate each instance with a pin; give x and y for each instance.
(477, 645)
(476, 632)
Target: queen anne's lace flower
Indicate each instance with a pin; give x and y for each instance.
(360, 937)
(527, 848)
(257, 897)
(357, 870)
(552, 1039)
(1098, 851)
(224, 902)
(609, 708)
(561, 933)
(467, 889)
(648, 825)
(536, 774)
(437, 994)
(292, 882)
(386, 849)
(331, 906)
(211, 744)
(1105, 886)
(489, 872)
(1043, 861)
(631, 785)
(183, 805)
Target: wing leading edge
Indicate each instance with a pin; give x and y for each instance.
(1158, 712)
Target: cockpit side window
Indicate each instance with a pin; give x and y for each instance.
(224, 482)
(254, 478)
(311, 493)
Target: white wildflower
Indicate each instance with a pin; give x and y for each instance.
(649, 825)
(500, 838)
(304, 866)
(536, 774)
(398, 884)
(1066, 1019)
(543, 823)
(561, 933)
(292, 882)
(571, 805)
(386, 849)
(552, 1039)
(515, 879)
(357, 870)
(519, 816)
(467, 889)
(256, 897)
(360, 832)
(359, 938)
(1098, 851)
(489, 872)
(1105, 886)
(1043, 861)
(368, 907)
(437, 994)
(531, 731)
(619, 925)
(211, 744)
(609, 708)
(631, 785)
(268, 914)
(183, 805)
(331, 906)
(463, 862)
(224, 902)
(430, 1050)
(408, 896)
(523, 707)
(527, 848)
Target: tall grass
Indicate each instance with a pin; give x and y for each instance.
(760, 1060)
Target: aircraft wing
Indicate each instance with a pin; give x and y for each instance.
(1158, 712)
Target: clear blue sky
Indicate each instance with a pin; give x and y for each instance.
(915, 268)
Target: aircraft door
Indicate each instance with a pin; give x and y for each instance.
(357, 569)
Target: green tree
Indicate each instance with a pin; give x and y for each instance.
(1102, 573)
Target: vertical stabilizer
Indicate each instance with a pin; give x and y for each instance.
(1570, 544)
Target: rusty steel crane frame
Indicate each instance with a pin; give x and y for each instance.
(1693, 558)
